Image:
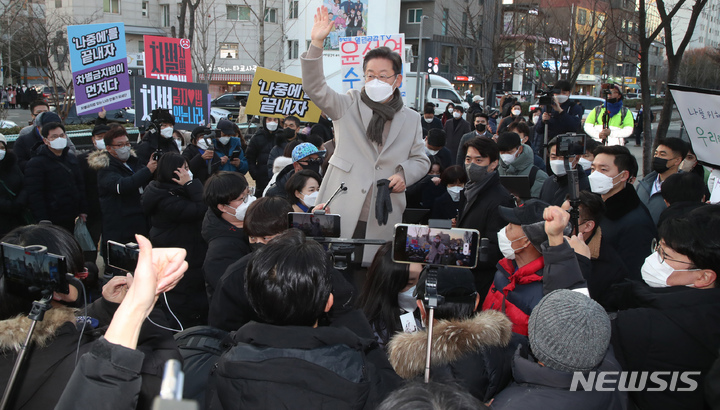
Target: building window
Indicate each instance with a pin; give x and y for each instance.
(597, 67)
(141, 46)
(292, 49)
(238, 13)
(111, 6)
(228, 50)
(271, 15)
(165, 9)
(582, 17)
(58, 4)
(145, 9)
(464, 24)
(414, 16)
(445, 59)
(293, 10)
(445, 18)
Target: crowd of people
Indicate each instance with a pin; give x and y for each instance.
(260, 316)
(17, 96)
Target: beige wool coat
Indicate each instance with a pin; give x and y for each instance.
(356, 160)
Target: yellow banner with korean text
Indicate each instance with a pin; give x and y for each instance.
(277, 95)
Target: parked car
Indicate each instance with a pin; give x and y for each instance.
(230, 100)
(47, 93)
(217, 114)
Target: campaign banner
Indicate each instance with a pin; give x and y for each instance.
(353, 50)
(188, 102)
(167, 58)
(278, 95)
(700, 112)
(98, 59)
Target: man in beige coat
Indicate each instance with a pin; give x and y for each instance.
(376, 138)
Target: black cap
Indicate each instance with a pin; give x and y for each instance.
(201, 130)
(48, 117)
(454, 284)
(530, 212)
(100, 129)
(226, 127)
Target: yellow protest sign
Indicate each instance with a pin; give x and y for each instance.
(278, 95)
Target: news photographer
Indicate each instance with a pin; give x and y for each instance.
(65, 333)
(110, 375)
(559, 114)
(159, 137)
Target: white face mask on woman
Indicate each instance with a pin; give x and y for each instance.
(407, 301)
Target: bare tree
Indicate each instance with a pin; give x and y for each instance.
(699, 68)
(187, 14)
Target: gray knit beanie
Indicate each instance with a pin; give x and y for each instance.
(569, 331)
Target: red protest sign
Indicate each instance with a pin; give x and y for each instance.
(167, 58)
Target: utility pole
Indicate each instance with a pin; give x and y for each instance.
(419, 62)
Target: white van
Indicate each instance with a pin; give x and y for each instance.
(438, 91)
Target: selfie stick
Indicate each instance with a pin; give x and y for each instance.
(341, 188)
(39, 307)
(432, 299)
(171, 389)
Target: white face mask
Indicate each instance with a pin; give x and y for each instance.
(58, 143)
(100, 144)
(167, 132)
(505, 244)
(558, 167)
(655, 272)
(509, 158)
(454, 192)
(202, 144)
(179, 145)
(516, 112)
(407, 301)
(2, 154)
(378, 91)
(309, 200)
(429, 151)
(224, 140)
(585, 163)
(190, 174)
(687, 166)
(272, 126)
(242, 209)
(122, 153)
(561, 98)
(428, 120)
(601, 183)
(456, 115)
(535, 119)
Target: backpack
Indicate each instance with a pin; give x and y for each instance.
(201, 348)
(623, 113)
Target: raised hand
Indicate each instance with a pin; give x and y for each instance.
(321, 28)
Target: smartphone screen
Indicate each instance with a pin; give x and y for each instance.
(327, 226)
(421, 244)
(571, 145)
(123, 257)
(32, 268)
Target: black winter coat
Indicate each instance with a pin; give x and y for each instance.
(296, 367)
(444, 207)
(27, 144)
(226, 245)
(257, 156)
(48, 368)
(473, 352)
(230, 308)
(484, 216)
(55, 187)
(555, 188)
(199, 166)
(668, 329)
(278, 187)
(455, 129)
(91, 186)
(629, 227)
(540, 387)
(13, 196)
(120, 189)
(603, 270)
(176, 213)
(152, 142)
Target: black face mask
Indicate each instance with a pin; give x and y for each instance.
(660, 165)
(256, 246)
(480, 127)
(313, 165)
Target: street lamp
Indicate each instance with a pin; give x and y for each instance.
(417, 68)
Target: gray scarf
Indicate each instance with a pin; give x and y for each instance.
(381, 114)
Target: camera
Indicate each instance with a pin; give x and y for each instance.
(33, 269)
(436, 246)
(157, 154)
(546, 96)
(123, 257)
(570, 144)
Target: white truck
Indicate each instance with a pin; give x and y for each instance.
(434, 89)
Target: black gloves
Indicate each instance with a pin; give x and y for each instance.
(383, 204)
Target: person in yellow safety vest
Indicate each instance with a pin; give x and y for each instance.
(616, 126)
